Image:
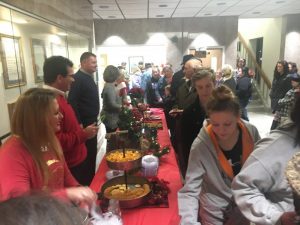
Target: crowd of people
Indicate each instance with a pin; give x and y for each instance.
(230, 175)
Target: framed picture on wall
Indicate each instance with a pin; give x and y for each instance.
(38, 52)
(12, 61)
(103, 60)
(134, 62)
(58, 49)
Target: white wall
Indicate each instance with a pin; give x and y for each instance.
(177, 34)
(7, 95)
(292, 38)
(271, 31)
(116, 52)
(151, 54)
(26, 32)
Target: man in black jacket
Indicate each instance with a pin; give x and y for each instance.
(244, 91)
(177, 79)
(84, 98)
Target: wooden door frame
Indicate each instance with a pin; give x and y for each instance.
(213, 47)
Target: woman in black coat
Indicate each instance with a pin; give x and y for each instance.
(281, 83)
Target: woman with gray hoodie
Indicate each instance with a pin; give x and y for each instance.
(261, 190)
(217, 155)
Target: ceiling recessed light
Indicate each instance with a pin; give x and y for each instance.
(62, 34)
(103, 6)
(207, 14)
(162, 6)
(256, 13)
(111, 17)
(19, 20)
(160, 16)
(221, 3)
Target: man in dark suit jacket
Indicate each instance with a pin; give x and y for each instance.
(185, 97)
(84, 98)
(186, 93)
(177, 79)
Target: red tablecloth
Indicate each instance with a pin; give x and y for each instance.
(168, 170)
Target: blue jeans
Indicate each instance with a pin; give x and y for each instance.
(244, 112)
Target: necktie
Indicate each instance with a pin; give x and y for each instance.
(189, 85)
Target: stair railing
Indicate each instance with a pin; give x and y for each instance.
(262, 84)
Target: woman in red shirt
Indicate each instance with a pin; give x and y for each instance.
(31, 159)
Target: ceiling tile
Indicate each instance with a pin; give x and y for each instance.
(138, 16)
(103, 7)
(112, 17)
(192, 4)
(95, 16)
(135, 12)
(108, 13)
(132, 1)
(222, 3)
(213, 8)
(237, 13)
(241, 8)
(185, 15)
(161, 10)
(157, 5)
(159, 13)
(265, 7)
(132, 6)
(103, 1)
(187, 11)
(158, 1)
(206, 14)
(249, 3)
(198, 8)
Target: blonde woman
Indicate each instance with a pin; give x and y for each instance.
(228, 78)
(31, 160)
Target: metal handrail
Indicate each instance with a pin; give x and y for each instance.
(4, 136)
(253, 58)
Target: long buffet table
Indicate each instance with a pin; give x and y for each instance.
(168, 170)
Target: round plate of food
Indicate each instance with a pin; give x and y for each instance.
(137, 191)
(116, 160)
(292, 173)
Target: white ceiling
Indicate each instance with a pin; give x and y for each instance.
(134, 9)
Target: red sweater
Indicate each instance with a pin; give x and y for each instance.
(71, 136)
(19, 174)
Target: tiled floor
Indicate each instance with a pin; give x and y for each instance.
(262, 121)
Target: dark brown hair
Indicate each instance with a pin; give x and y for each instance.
(285, 68)
(222, 99)
(54, 66)
(86, 55)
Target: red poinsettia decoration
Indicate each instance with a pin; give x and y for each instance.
(136, 93)
(160, 191)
